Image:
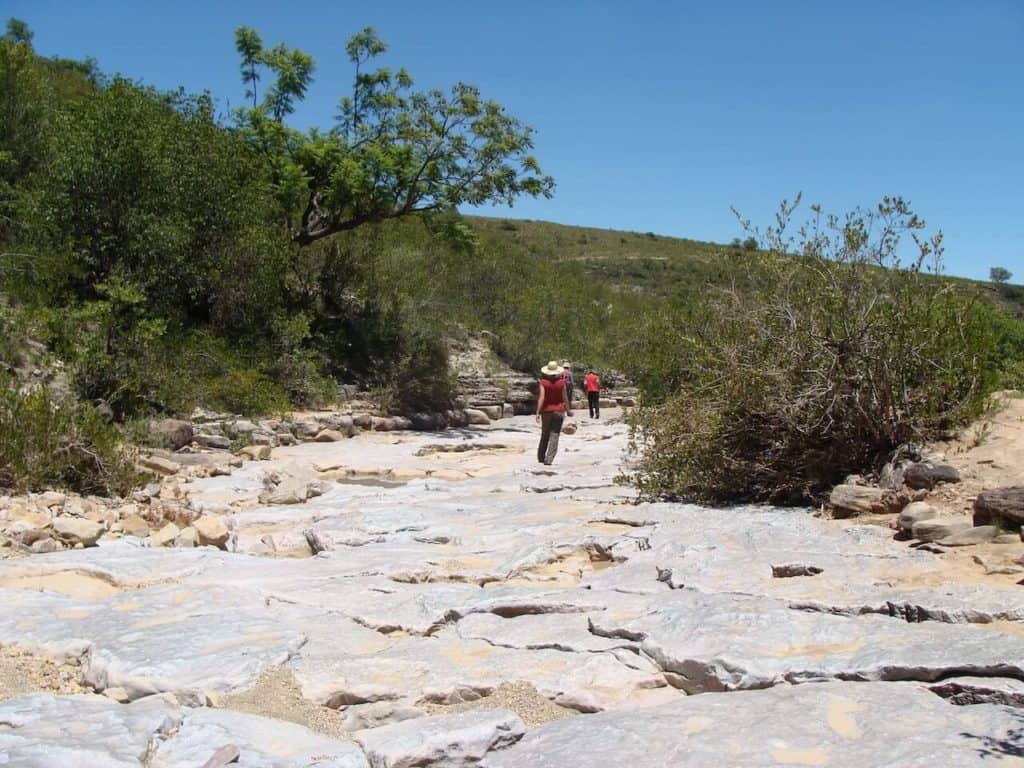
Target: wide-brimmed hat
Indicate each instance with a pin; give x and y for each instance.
(552, 369)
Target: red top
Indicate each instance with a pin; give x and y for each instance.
(554, 395)
(591, 383)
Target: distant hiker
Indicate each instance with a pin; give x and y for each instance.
(552, 407)
(592, 386)
(570, 382)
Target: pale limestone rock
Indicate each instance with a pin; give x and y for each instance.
(212, 531)
(256, 452)
(212, 441)
(135, 525)
(849, 500)
(76, 530)
(165, 536)
(476, 417)
(915, 512)
(159, 465)
(187, 537)
(937, 528)
(329, 436)
(444, 740)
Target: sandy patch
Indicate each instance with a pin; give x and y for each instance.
(21, 673)
(522, 698)
(277, 694)
(84, 586)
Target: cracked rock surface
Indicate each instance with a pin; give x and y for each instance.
(430, 573)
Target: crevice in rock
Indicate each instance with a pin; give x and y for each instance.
(913, 613)
(790, 570)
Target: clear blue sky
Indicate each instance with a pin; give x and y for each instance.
(659, 116)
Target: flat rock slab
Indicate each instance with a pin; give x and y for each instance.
(446, 740)
(841, 725)
(447, 669)
(44, 731)
(153, 640)
(728, 643)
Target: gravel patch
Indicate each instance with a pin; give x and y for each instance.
(277, 694)
(522, 698)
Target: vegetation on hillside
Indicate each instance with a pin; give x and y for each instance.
(174, 259)
(842, 354)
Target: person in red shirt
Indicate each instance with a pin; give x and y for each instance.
(592, 385)
(552, 407)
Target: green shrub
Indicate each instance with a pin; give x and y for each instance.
(246, 391)
(841, 355)
(49, 443)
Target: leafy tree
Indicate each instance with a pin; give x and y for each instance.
(18, 31)
(999, 275)
(394, 151)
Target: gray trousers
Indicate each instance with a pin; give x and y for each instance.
(550, 429)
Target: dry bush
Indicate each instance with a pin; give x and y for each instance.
(843, 352)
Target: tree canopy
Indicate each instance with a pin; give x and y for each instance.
(393, 151)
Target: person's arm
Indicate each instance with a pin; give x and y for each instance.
(540, 400)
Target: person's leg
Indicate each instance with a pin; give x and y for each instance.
(545, 433)
(597, 405)
(591, 402)
(556, 430)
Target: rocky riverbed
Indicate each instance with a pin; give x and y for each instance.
(425, 599)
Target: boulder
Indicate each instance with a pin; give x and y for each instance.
(401, 423)
(342, 423)
(1003, 506)
(134, 525)
(493, 412)
(212, 532)
(476, 417)
(187, 538)
(977, 535)
(927, 475)
(363, 420)
(241, 427)
(329, 436)
(428, 422)
(256, 452)
(915, 512)
(170, 433)
(159, 465)
(939, 528)
(44, 546)
(852, 500)
(307, 429)
(77, 530)
(212, 441)
(382, 424)
(165, 536)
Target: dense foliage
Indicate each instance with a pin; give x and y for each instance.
(46, 442)
(843, 353)
(172, 259)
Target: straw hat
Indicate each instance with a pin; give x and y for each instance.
(552, 369)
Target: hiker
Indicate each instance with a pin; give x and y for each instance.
(552, 407)
(592, 385)
(570, 382)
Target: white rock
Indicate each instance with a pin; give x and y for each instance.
(76, 530)
(445, 740)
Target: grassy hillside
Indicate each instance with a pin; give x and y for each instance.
(652, 263)
(658, 265)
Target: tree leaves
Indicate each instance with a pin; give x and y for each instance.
(394, 151)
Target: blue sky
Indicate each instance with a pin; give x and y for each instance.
(659, 116)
